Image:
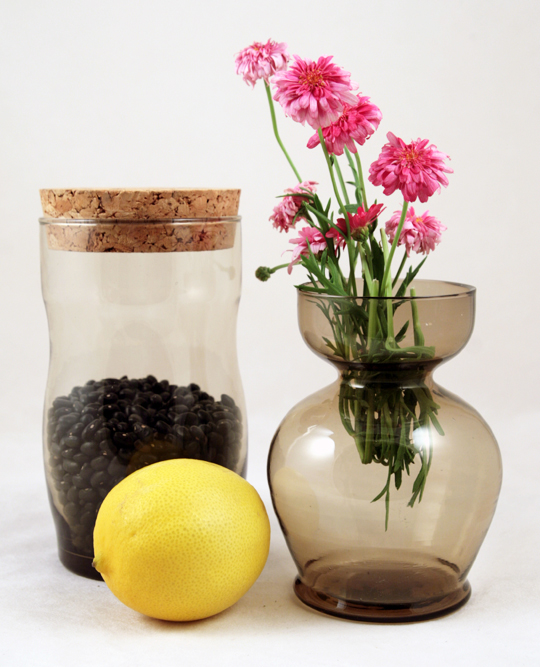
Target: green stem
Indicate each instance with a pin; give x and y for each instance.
(361, 179)
(341, 181)
(400, 269)
(372, 321)
(276, 133)
(368, 454)
(388, 262)
(334, 185)
(367, 272)
(352, 281)
(418, 334)
(354, 170)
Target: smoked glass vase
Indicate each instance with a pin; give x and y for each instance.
(141, 301)
(385, 483)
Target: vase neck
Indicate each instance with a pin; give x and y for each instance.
(388, 374)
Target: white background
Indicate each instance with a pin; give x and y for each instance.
(144, 94)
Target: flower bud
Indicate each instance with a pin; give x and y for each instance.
(263, 273)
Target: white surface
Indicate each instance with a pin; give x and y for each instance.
(117, 93)
(53, 617)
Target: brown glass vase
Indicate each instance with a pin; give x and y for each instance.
(385, 483)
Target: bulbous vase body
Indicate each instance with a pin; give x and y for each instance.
(384, 525)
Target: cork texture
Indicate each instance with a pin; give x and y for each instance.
(140, 217)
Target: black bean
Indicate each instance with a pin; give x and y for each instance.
(62, 412)
(87, 495)
(80, 458)
(107, 411)
(189, 400)
(191, 419)
(98, 479)
(156, 401)
(227, 400)
(215, 440)
(197, 434)
(123, 439)
(222, 414)
(116, 467)
(86, 471)
(68, 419)
(71, 510)
(70, 441)
(180, 431)
(87, 518)
(99, 463)
(125, 454)
(66, 453)
(73, 494)
(91, 429)
(74, 430)
(71, 467)
(62, 402)
(162, 427)
(127, 393)
(79, 481)
(90, 448)
(224, 426)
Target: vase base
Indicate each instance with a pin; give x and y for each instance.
(383, 612)
(81, 565)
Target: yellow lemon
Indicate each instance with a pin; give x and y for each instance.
(181, 540)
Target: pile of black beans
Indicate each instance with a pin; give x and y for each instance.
(105, 430)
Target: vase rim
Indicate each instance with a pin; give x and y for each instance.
(438, 289)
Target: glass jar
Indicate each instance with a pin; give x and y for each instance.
(141, 290)
(384, 482)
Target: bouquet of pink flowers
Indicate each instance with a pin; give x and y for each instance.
(331, 245)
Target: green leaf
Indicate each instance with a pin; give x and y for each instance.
(401, 333)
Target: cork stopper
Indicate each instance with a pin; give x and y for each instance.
(131, 220)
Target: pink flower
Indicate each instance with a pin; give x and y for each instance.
(420, 233)
(315, 92)
(310, 237)
(356, 123)
(283, 217)
(357, 223)
(416, 168)
(261, 61)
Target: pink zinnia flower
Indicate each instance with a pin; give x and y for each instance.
(308, 235)
(261, 61)
(356, 124)
(283, 217)
(357, 223)
(315, 92)
(416, 168)
(420, 233)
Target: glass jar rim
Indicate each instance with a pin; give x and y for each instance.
(140, 221)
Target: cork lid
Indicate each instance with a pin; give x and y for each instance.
(131, 204)
(184, 220)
